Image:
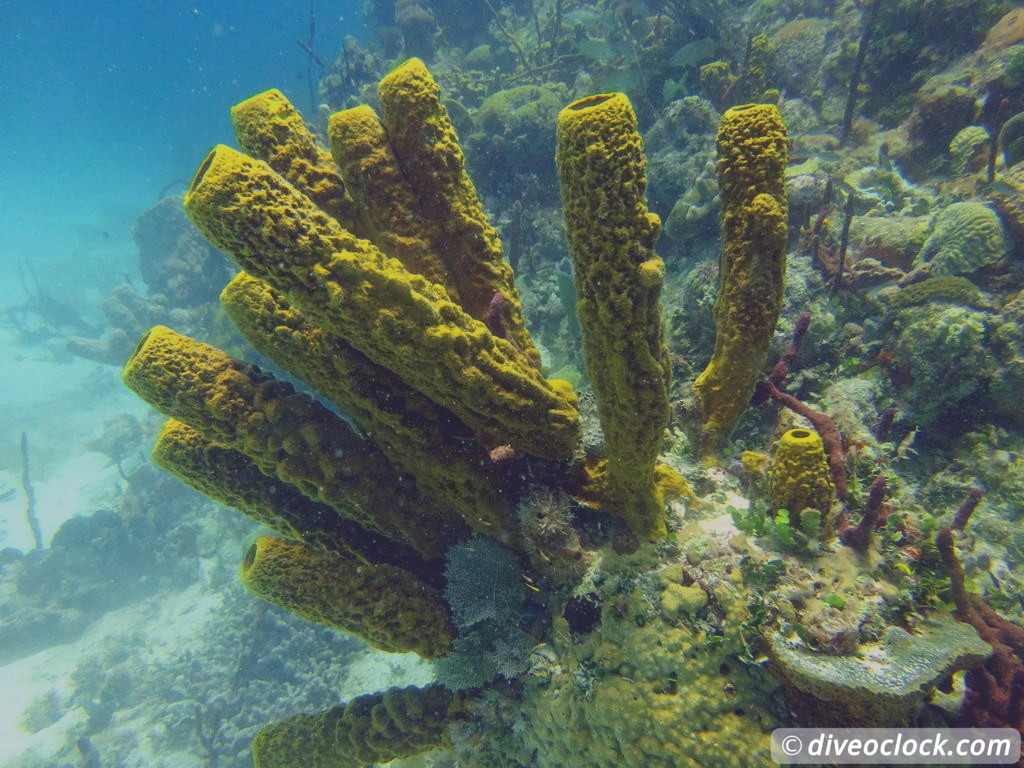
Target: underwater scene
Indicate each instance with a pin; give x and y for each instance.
(509, 383)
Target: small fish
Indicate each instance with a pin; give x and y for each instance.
(581, 16)
(904, 449)
(694, 53)
(846, 189)
(884, 162)
(598, 49)
(1000, 188)
(530, 584)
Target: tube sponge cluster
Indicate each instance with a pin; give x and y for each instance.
(418, 436)
(287, 435)
(371, 274)
(394, 336)
(753, 148)
(399, 320)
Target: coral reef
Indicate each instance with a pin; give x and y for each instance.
(964, 238)
(475, 512)
(182, 273)
(143, 544)
(442, 491)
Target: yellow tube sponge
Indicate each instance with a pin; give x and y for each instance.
(371, 172)
(287, 435)
(233, 479)
(618, 285)
(752, 155)
(424, 141)
(371, 729)
(267, 126)
(419, 437)
(399, 320)
(386, 606)
(798, 477)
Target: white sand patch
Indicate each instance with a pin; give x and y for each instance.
(78, 485)
(157, 628)
(60, 404)
(375, 671)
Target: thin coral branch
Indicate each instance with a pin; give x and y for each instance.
(963, 515)
(859, 536)
(515, 43)
(858, 65)
(780, 370)
(30, 494)
(844, 241)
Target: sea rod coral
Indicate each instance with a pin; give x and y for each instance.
(372, 275)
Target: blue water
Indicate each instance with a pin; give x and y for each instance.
(109, 105)
(106, 102)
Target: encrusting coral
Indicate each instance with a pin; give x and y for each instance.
(384, 290)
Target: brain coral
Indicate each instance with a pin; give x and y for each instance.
(968, 151)
(965, 237)
(944, 349)
(1008, 199)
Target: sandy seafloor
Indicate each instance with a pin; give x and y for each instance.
(106, 106)
(62, 402)
(160, 627)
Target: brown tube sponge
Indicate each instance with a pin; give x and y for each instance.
(268, 127)
(752, 153)
(233, 479)
(424, 142)
(387, 607)
(371, 729)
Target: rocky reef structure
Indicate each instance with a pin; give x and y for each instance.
(615, 633)
(182, 273)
